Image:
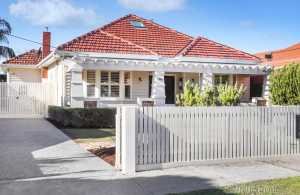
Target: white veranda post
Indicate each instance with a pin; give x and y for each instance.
(207, 80)
(158, 88)
(266, 88)
(76, 86)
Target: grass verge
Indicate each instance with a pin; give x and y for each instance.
(288, 186)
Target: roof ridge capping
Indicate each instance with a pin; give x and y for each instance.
(188, 47)
(128, 42)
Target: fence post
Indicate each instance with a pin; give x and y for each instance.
(118, 138)
(129, 117)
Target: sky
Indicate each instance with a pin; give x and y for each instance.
(249, 25)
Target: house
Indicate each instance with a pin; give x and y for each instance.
(133, 59)
(23, 68)
(282, 57)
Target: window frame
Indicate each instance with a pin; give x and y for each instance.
(127, 84)
(109, 84)
(91, 84)
(221, 78)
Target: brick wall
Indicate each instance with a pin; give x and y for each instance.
(245, 81)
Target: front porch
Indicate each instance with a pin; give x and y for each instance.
(101, 88)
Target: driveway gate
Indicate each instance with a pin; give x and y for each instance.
(24, 100)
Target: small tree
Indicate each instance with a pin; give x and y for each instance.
(285, 85)
(230, 95)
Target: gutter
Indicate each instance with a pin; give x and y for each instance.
(51, 58)
(25, 66)
(107, 55)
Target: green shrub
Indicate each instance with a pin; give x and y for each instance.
(82, 117)
(208, 97)
(225, 95)
(230, 95)
(285, 85)
(190, 95)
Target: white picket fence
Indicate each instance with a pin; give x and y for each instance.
(158, 137)
(25, 100)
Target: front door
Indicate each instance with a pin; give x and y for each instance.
(169, 88)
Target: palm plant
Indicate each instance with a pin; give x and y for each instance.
(5, 29)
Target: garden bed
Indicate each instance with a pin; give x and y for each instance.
(100, 142)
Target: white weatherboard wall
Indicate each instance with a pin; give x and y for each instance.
(178, 136)
(26, 75)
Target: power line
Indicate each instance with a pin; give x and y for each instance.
(25, 39)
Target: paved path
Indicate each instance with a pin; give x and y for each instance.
(37, 158)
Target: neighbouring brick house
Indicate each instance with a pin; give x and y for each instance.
(133, 59)
(282, 57)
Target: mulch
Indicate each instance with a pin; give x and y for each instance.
(107, 154)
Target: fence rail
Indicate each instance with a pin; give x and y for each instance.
(25, 99)
(174, 136)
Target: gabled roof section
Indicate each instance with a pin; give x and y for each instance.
(31, 57)
(202, 47)
(157, 38)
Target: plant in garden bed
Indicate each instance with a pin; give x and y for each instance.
(230, 95)
(224, 95)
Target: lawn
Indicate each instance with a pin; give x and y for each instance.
(91, 135)
(288, 186)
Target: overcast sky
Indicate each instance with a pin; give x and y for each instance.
(249, 25)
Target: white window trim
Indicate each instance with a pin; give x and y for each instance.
(130, 84)
(86, 84)
(98, 86)
(109, 84)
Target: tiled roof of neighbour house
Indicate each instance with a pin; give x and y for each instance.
(281, 57)
(121, 36)
(31, 57)
(202, 47)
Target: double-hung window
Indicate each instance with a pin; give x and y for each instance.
(91, 83)
(109, 84)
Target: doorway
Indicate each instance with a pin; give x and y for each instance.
(169, 88)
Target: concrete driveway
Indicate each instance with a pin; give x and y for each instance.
(37, 158)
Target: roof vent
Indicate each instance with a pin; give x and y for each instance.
(137, 24)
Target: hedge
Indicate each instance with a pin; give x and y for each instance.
(82, 117)
(285, 85)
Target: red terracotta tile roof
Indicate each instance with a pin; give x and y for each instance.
(103, 42)
(202, 47)
(160, 39)
(31, 57)
(281, 57)
(120, 36)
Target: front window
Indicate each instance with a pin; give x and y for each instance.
(109, 84)
(221, 79)
(91, 83)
